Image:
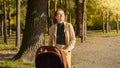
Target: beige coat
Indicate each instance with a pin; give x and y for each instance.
(69, 36)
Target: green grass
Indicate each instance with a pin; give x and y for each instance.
(11, 47)
(11, 63)
(112, 33)
(15, 64)
(46, 39)
(8, 47)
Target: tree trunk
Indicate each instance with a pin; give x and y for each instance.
(0, 24)
(109, 28)
(81, 19)
(84, 20)
(55, 5)
(18, 23)
(78, 18)
(48, 18)
(70, 12)
(5, 25)
(103, 24)
(70, 17)
(66, 9)
(60, 3)
(34, 33)
(9, 21)
(107, 22)
(117, 23)
(2, 32)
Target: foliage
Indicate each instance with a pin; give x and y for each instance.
(92, 15)
(1, 7)
(12, 5)
(94, 9)
(112, 5)
(113, 23)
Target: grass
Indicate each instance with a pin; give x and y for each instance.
(46, 39)
(15, 64)
(11, 47)
(11, 63)
(8, 47)
(112, 33)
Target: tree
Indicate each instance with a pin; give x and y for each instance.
(103, 23)
(117, 23)
(81, 19)
(60, 3)
(18, 23)
(66, 9)
(55, 4)
(10, 8)
(5, 25)
(9, 21)
(48, 17)
(84, 19)
(1, 23)
(34, 33)
(107, 21)
(78, 19)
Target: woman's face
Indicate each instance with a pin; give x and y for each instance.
(60, 16)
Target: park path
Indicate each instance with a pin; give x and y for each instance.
(7, 55)
(97, 52)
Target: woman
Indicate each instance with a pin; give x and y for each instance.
(62, 33)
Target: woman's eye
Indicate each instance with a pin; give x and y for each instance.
(60, 15)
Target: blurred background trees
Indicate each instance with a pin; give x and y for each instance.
(99, 15)
(16, 17)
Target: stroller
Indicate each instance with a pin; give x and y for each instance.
(50, 57)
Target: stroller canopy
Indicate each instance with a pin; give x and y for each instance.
(50, 57)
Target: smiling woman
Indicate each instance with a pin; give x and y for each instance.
(62, 34)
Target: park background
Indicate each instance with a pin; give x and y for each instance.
(24, 27)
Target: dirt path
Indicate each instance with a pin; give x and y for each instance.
(7, 55)
(97, 52)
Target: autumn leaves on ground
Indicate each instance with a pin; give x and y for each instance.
(98, 51)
